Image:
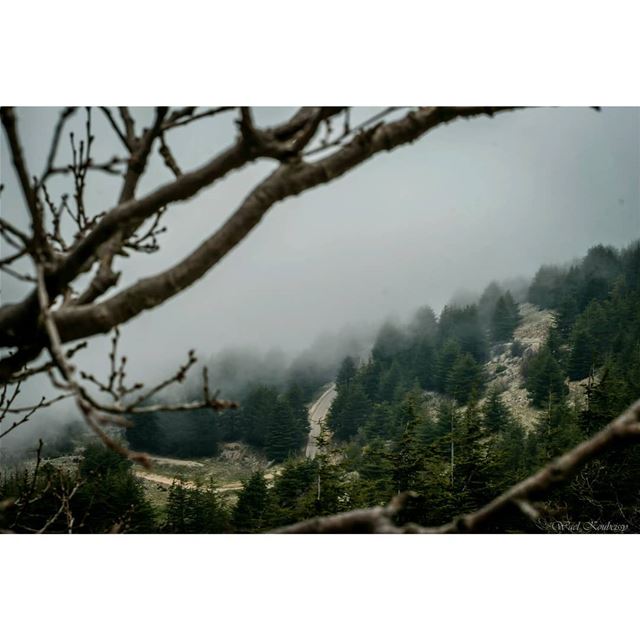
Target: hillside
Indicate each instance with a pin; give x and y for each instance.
(454, 408)
(505, 369)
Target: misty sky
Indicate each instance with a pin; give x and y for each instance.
(471, 201)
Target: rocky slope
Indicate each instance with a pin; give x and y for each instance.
(503, 369)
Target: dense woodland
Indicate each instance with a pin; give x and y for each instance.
(420, 414)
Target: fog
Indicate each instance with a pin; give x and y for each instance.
(473, 201)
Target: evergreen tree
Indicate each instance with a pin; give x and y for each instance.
(556, 429)
(605, 399)
(470, 470)
(176, 510)
(295, 398)
(145, 434)
(544, 377)
(424, 363)
(447, 356)
(192, 434)
(504, 319)
(464, 377)
(197, 509)
(567, 314)
(110, 495)
(463, 325)
(424, 324)
(376, 474)
(581, 356)
(392, 383)
(296, 480)
(488, 301)
(546, 288)
(327, 494)
(406, 456)
(349, 411)
(282, 437)
(391, 342)
(380, 423)
(249, 514)
(507, 460)
(447, 421)
(258, 414)
(496, 416)
(347, 372)
(369, 377)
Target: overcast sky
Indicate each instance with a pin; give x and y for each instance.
(471, 201)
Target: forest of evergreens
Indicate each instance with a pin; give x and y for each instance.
(420, 414)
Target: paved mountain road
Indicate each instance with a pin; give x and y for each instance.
(317, 413)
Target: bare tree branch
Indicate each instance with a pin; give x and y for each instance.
(13, 258)
(17, 320)
(8, 118)
(187, 115)
(65, 114)
(28, 372)
(115, 127)
(286, 181)
(129, 126)
(108, 232)
(55, 349)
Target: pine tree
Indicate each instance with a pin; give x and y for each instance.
(392, 383)
(581, 356)
(391, 342)
(470, 469)
(543, 377)
(504, 319)
(347, 372)
(447, 355)
(556, 429)
(282, 437)
(258, 414)
(110, 494)
(464, 326)
(424, 363)
(206, 511)
(295, 398)
(380, 423)
(464, 377)
(250, 512)
(496, 416)
(197, 509)
(327, 494)
(424, 324)
(605, 399)
(488, 301)
(296, 480)
(507, 460)
(145, 434)
(447, 421)
(176, 511)
(375, 469)
(406, 458)
(349, 411)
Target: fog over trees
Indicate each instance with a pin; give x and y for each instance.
(445, 417)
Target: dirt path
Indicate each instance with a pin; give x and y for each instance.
(175, 462)
(167, 482)
(317, 413)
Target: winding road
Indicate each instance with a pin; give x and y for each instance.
(317, 413)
